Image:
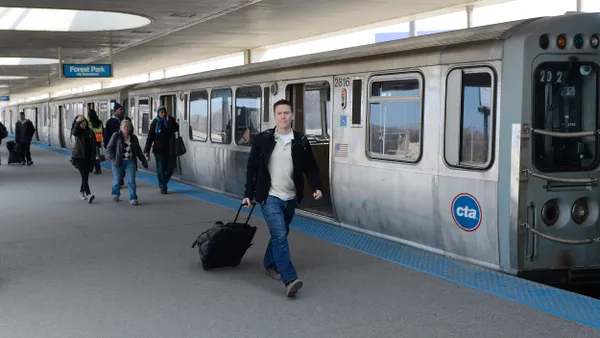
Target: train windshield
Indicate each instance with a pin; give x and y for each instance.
(565, 101)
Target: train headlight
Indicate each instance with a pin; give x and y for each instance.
(580, 211)
(550, 212)
(561, 41)
(594, 41)
(578, 41)
(544, 41)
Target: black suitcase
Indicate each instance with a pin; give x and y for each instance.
(14, 155)
(224, 245)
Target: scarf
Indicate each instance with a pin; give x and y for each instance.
(159, 124)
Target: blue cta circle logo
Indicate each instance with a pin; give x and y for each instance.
(466, 212)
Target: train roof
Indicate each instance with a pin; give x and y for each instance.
(479, 34)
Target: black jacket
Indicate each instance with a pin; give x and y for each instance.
(85, 143)
(258, 178)
(160, 144)
(112, 126)
(24, 131)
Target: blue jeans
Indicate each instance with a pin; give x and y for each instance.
(278, 214)
(126, 168)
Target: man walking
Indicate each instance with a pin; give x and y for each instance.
(24, 131)
(278, 160)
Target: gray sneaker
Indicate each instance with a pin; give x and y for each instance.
(273, 274)
(90, 198)
(293, 287)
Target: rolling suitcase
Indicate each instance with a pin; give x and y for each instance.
(224, 245)
(14, 155)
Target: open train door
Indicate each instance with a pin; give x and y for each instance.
(169, 101)
(311, 102)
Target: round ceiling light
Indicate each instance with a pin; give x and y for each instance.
(12, 77)
(67, 20)
(17, 61)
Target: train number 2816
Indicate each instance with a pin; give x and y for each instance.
(341, 82)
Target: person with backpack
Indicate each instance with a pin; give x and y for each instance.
(278, 159)
(24, 131)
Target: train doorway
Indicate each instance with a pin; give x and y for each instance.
(312, 107)
(170, 103)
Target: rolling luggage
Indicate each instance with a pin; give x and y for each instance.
(224, 245)
(14, 155)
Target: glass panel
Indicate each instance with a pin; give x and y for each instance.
(565, 100)
(199, 115)
(395, 130)
(475, 119)
(220, 116)
(247, 119)
(396, 88)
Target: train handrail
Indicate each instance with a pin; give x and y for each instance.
(563, 134)
(561, 239)
(589, 180)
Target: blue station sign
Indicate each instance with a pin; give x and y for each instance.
(466, 212)
(90, 70)
(5, 98)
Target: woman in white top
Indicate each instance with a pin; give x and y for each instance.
(123, 151)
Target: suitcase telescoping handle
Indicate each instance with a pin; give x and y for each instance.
(240, 209)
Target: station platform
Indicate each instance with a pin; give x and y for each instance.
(106, 269)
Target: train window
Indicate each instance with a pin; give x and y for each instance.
(220, 116)
(199, 115)
(144, 115)
(247, 114)
(266, 104)
(469, 118)
(395, 117)
(69, 116)
(565, 101)
(356, 102)
(316, 108)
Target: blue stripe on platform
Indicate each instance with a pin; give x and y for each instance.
(562, 303)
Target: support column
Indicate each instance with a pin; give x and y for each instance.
(579, 5)
(247, 57)
(469, 10)
(412, 29)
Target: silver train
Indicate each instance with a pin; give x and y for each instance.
(480, 144)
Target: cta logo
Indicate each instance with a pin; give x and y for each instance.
(466, 212)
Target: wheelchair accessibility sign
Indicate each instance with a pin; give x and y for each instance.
(466, 212)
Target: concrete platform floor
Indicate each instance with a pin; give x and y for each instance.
(70, 269)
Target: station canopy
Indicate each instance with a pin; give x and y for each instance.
(143, 36)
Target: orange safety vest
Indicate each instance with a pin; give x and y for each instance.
(97, 131)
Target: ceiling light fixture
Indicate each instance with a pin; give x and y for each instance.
(12, 77)
(67, 20)
(25, 61)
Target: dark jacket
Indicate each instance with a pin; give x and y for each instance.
(24, 131)
(113, 125)
(114, 150)
(258, 178)
(85, 143)
(160, 143)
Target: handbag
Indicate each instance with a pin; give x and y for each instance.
(177, 147)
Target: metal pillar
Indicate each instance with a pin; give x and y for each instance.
(469, 10)
(247, 57)
(412, 29)
(579, 5)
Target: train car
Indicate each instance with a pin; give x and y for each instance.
(64, 109)
(479, 144)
